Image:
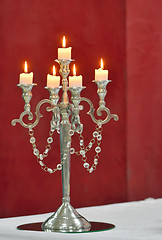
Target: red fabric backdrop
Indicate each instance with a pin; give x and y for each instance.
(144, 102)
(130, 158)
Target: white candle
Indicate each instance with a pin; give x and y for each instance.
(75, 81)
(101, 74)
(26, 78)
(64, 53)
(52, 80)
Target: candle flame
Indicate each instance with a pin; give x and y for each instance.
(54, 70)
(74, 70)
(102, 64)
(25, 67)
(64, 42)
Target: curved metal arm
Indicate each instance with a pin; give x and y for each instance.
(99, 112)
(30, 115)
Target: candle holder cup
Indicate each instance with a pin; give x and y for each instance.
(27, 94)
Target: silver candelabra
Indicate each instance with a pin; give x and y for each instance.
(66, 218)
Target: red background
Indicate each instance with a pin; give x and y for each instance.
(144, 102)
(130, 163)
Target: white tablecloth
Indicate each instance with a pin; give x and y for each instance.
(134, 221)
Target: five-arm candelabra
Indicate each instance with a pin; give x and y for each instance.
(66, 218)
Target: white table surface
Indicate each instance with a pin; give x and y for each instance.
(134, 221)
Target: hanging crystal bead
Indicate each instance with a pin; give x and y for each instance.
(82, 152)
(90, 145)
(98, 149)
(50, 170)
(41, 156)
(72, 150)
(86, 165)
(46, 151)
(91, 170)
(95, 161)
(36, 151)
(32, 140)
(99, 137)
(59, 166)
(81, 142)
(95, 134)
(50, 140)
(71, 132)
(41, 163)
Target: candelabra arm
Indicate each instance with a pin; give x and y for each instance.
(99, 112)
(30, 116)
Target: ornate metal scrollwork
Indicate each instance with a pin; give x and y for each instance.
(30, 116)
(99, 112)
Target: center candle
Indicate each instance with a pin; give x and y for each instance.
(75, 81)
(64, 53)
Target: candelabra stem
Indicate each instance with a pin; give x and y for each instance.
(66, 218)
(65, 142)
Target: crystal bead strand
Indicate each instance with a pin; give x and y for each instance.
(97, 137)
(41, 156)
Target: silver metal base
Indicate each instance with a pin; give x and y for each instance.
(66, 219)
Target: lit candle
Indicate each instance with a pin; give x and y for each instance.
(52, 80)
(101, 74)
(26, 78)
(64, 53)
(75, 81)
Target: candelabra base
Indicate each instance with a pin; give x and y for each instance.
(66, 219)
